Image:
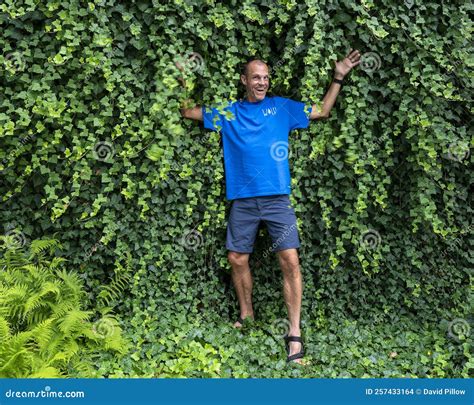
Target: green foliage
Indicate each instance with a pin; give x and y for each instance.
(95, 152)
(207, 347)
(44, 332)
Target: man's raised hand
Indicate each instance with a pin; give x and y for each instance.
(344, 67)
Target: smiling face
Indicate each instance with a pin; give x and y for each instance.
(256, 81)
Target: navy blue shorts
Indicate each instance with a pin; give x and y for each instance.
(277, 214)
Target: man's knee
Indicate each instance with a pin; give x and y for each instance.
(289, 262)
(238, 259)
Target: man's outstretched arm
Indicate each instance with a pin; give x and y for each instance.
(342, 68)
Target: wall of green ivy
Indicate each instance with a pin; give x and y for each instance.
(95, 153)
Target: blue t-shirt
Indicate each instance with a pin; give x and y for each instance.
(255, 142)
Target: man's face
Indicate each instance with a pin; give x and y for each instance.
(256, 81)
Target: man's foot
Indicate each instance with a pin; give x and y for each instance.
(294, 349)
(240, 321)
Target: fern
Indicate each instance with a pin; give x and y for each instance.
(73, 321)
(47, 372)
(39, 299)
(12, 257)
(43, 327)
(119, 282)
(5, 332)
(43, 333)
(40, 246)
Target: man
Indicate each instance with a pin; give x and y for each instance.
(255, 143)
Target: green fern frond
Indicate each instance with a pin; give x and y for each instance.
(56, 262)
(12, 301)
(9, 294)
(71, 348)
(73, 321)
(12, 366)
(83, 368)
(63, 306)
(116, 342)
(61, 357)
(56, 344)
(72, 283)
(15, 343)
(40, 315)
(119, 283)
(37, 272)
(47, 372)
(15, 353)
(12, 258)
(5, 332)
(39, 299)
(39, 246)
(43, 332)
(10, 243)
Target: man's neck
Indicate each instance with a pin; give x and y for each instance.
(253, 99)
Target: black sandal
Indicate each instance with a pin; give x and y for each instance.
(295, 356)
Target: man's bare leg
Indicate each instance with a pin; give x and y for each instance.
(292, 292)
(242, 279)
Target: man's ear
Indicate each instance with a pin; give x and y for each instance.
(243, 79)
